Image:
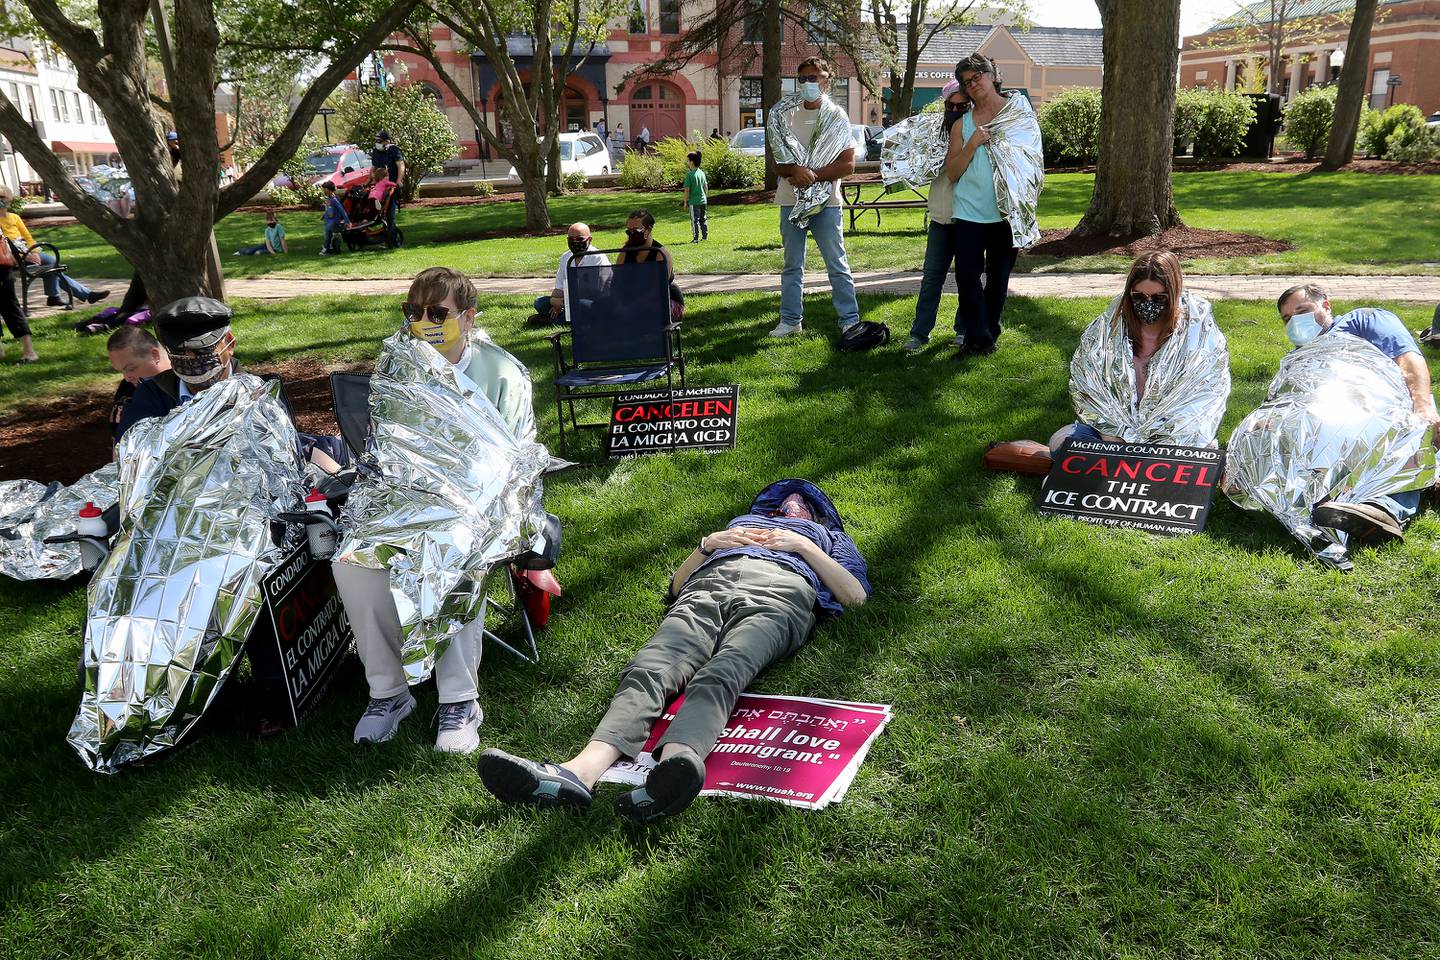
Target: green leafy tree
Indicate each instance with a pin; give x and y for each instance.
(1308, 120)
(1351, 98)
(416, 125)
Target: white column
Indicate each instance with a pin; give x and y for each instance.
(1322, 66)
(1229, 74)
(1297, 75)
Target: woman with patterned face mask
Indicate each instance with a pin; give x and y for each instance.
(1153, 368)
(940, 239)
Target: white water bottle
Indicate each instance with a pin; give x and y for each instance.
(322, 535)
(91, 524)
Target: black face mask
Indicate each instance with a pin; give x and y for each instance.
(952, 114)
(578, 247)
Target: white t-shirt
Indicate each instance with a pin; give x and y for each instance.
(589, 260)
(802, 125)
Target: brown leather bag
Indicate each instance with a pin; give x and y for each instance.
(1018, 456)
(7, 253)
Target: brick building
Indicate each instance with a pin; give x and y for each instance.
(1404, 46)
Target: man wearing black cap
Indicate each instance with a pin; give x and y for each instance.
(387, 155)
(195, 332)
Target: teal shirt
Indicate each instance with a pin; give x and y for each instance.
(975, 190)
(695, 188)
(275, 234)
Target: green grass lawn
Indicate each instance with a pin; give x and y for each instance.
(1106, 744)
(1340, 223)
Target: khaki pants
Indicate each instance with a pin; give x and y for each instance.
(732, 620)
(366, 595)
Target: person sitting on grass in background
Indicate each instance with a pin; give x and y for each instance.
(334, 221)
(551, 309)
(641, 246)
(696, 198)
(274, 239)
(745, 597)
(136, 356)
(16, 232)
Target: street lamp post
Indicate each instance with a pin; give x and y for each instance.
(1392, 83)
(325, 114)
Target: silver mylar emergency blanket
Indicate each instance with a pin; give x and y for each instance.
(1186, 384)
(448, 489)
(1337, 423)
(914, 153)
(831, 138)
(28, 518)
(171, 607)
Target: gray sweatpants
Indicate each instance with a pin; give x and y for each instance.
(732, 620)
(371, 609)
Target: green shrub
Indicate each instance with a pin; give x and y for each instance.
(1216, 120)
(1412, 144)
(416, 126)
(665, 167)
(484, 188)
(1308, 119)
(1070, 127)
(643, 171)
(733, 169)
(573, 182)
(1377, 128)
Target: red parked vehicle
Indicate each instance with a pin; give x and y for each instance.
(345, 165)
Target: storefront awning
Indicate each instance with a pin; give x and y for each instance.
(78, 146)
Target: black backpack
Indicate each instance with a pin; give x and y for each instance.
(864, 335)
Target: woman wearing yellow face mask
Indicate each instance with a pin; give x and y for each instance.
(440, 309)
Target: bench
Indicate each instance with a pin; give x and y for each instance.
(850, 193)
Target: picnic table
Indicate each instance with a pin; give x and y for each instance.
(850, 193)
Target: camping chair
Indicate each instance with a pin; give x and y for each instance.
(30, 272)
(621, 336)
(351, 395)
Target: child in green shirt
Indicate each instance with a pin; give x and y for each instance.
(696, 198)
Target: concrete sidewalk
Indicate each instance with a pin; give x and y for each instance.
(1417, 289)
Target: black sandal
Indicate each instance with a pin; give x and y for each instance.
(513, 779)
(671, 787)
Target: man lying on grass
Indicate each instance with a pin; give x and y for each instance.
(746, 596)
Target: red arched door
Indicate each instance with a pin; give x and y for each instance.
(660, 106)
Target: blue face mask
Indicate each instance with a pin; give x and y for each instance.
(1302, 328)
(810, 91)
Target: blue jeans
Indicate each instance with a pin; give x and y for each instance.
(939, 254)
(1402, 506)
(331, 232)
(542, 305)
(53, 281)
(983, 249)
(253, 249)
(830, 238)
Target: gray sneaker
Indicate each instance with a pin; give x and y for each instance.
(785, 329)
(959, 341)
(459, 727)
(913, 345)
(382, 718)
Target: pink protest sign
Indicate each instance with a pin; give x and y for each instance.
(797, 750)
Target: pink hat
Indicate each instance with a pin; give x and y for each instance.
(950, 87)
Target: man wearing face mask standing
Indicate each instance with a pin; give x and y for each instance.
(813, 76)
(551, 309)
(1306, 311)
(388, 155)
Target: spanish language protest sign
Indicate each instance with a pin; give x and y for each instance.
(691, 418)
(1141, 486)
(306, 622)
(800, 751)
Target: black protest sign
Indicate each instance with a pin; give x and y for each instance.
(305, 621)
(691, 418)
(1140, 486)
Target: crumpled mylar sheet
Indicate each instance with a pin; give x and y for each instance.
(171, 607)
(832, 137)
(1338, 424)
(27, 519)
(447, 491)
(1186, 386)
(912, 153)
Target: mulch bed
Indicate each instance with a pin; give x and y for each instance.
(65, 438)
(1187, 242)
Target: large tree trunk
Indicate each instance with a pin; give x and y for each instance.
(1351, 97)
(770, 30)
(1132, 193)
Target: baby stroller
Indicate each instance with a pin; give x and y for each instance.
(367, 219)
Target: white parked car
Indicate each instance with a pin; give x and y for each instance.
(581, 153)
(750, 141)
(1433, 120)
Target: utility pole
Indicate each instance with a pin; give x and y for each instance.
(214, 277)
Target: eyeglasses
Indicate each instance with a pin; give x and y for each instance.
(1139, 298)
(971, 80)
(810, 78)
(415, 312)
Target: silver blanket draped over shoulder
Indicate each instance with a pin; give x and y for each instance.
(171, 607)
(1187, 383)
(28, 517)
(448, 490)
(1337, 423)
(831, 138)
(913, 154)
